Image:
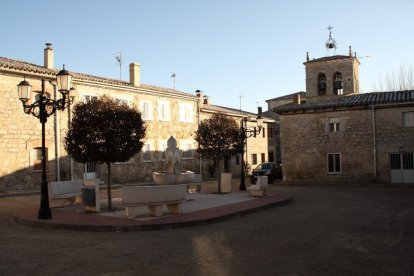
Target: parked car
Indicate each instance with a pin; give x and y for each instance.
(270, 169)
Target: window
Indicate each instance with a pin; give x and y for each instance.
(264, 132)
(88, 98)
(263, 156)
(321, 84)
(37, 162)
(408, 161)
(163, 148)
(237, 160)
(270, 132)
(395, 161)
(163, 110)
(333, 124)
(408, 118)
(254, 159)
(186, 112)
(403, 161)
(334, 163)
(187, 150)
(146, 153)
(123, 101)
(337, 84)
(145, 108)
(271, 156)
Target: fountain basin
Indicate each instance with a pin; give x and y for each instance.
(162, 178)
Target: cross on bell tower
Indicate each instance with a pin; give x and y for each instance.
(330, 43)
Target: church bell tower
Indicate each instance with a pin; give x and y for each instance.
(333, 75)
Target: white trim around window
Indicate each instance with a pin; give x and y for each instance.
(162, 147)
(408, 119)
(163, 110)
(186, 112)
(187, 149)
(146, 152)
(146, 109)
(334, 163)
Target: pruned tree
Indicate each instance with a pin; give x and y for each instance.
(105, 131)
(218, 138)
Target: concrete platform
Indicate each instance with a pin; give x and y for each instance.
(198, 209)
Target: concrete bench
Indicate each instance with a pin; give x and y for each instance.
(62, 192)
(154, 197)
(259, 189)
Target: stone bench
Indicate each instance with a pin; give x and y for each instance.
(259, 189)
(62, 192)
(154, 197)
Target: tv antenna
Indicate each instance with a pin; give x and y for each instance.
(240, 98)
(173, 75)
(118, 58)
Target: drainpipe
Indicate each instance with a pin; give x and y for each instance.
(374, 142)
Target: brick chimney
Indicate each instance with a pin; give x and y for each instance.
(206, 100)
(135, 74)
(48, 56)
(296, 99)
(199, 95)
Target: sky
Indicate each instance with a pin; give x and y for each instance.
(238, 52)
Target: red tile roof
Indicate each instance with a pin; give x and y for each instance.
(12, 64)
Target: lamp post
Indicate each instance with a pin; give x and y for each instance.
(42, 108)
(244, 134)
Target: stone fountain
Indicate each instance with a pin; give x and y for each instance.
(173, 173)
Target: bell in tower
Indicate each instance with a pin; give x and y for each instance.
(330, 43)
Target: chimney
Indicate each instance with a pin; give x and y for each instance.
(206, 100)
(296, 99)
(48, 56)
(135, 74)
(199, 95)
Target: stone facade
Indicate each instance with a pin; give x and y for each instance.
(262, 146)
(364, 140)
(306, 142)
(346, 66)
(343, 136)
(168, 113)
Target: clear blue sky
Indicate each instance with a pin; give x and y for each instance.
(226, 48)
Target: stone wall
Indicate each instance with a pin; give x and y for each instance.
(348, 67)
(391, 137)
(306, 141)
(20, 134)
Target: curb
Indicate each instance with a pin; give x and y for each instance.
(98, 223)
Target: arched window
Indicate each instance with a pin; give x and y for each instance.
(337, 84)
(321, 84)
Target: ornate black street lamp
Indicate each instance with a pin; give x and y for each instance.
(42, 108)
(244, 134)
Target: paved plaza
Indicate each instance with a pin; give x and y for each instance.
(323, 231)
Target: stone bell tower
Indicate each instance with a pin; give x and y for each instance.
(333, 75)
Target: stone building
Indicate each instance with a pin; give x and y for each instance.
(339, 135)
(259, 149)
(167, 112)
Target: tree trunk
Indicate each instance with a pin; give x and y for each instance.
(108, 189)
(219, 174)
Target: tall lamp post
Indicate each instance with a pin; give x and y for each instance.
(244, 134)
(42, 108)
